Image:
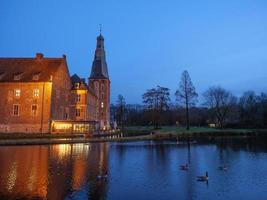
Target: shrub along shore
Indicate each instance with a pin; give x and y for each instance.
(134, 134)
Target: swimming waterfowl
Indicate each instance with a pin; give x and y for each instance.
(184, 167)
(223, 168)
(203, 178)
(104, 176)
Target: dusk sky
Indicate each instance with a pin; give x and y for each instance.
(147, 42)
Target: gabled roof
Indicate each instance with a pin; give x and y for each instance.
(99, 68)
(27, 68)
(82, 84)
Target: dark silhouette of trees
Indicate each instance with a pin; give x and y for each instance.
(221, 103)
(121, 110)
(248, 108)
(221, 107)
(252, 110)
(186, 94)
(156, 101)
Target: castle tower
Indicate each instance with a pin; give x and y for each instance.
(99, 81)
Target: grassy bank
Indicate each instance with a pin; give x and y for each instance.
(192, 131)
(136, 133)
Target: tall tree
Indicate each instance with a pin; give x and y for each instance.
(186, 94)
(248, 108)
(121, 110)
(221, 103)
(156, 101)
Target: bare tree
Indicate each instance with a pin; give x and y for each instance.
(186, 94)
(121, 110)
(221, 102)
(156, 101)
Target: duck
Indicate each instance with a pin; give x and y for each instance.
(223, 168)
(184, 167)
(103, 176)
(203, 178)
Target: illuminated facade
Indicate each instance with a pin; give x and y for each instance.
(99, 81)
(34, 91)
(39, 96)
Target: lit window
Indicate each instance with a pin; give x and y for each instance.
(102, 104)
(78, 112)
(17, 92)
(34, 110)
(78, 97)
(36, 93)
(77, 85)
(16, 110)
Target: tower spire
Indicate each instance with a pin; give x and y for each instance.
(99, 67)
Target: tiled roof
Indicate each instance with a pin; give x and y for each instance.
(82, 84)
(38, 69)
(99, 67)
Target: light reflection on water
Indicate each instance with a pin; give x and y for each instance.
(138, 170)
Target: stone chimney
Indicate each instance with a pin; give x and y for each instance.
(39, 56)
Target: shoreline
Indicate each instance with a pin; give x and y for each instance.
(182, 137)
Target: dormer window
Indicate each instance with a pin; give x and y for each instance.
(2, 75)
(17, 76)
(77, 85)
(36, 76)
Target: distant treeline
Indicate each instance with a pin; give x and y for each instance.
(221, 108)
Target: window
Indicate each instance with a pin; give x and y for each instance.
(17, 77)
(34, 110)
(16, 110)
(17, 93)
(96, 85)
(36, 93)
(78, 97)
(36, 76)
(77, 85)
(102, 95)
(66, 113)
(78, 112)
(1, 75)
(57, 93)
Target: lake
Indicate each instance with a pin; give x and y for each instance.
(136, 170)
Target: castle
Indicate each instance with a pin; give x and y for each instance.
(38, 95)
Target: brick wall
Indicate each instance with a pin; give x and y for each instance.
(26, 120)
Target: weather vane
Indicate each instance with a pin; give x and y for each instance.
(100, 28)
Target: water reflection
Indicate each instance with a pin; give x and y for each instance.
(138, 170)
(52, 172)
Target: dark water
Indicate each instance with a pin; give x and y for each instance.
(139, 170)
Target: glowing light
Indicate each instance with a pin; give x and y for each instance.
(36, 93)
(17, 92)
(12, 177)
(62, 125)
(64, 150)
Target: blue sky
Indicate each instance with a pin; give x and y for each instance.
(148, 42)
